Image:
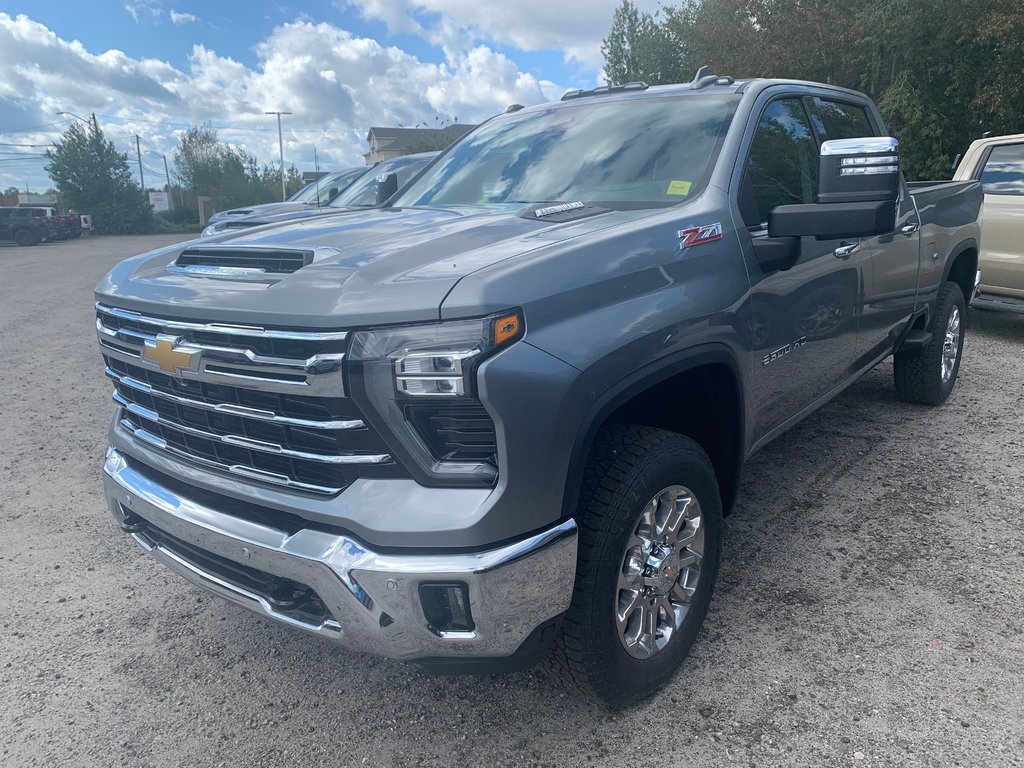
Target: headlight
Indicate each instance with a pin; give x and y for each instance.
(417, 386)
(209, 231)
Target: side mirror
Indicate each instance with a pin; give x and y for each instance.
(387, 185)
(332, 193)
(859, 171)
(858, 190)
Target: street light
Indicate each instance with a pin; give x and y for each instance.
(79, 117)
(280, 148)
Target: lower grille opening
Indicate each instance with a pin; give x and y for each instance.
(286, 597)
(456, 432)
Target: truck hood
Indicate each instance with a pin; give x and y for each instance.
(263, 209)
(380, 266)
(279, 216)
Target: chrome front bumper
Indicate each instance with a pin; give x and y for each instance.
(372, 599)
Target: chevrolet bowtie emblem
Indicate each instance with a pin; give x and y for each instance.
(163, 353)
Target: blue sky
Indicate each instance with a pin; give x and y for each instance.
(153, 67)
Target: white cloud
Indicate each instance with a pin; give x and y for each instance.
(182, 18)
(336, 85)
(143, 10)
(575, 27)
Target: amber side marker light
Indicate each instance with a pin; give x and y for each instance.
(506, 329)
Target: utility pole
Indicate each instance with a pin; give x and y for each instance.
(167, 178)
(280, 148)
(138, 153)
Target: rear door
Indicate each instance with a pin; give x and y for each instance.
(801, 323)
(892, 262)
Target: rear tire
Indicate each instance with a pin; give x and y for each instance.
(927, 375)
(642, 587)
(24, 237)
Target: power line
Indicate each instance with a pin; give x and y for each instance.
(35, 127)
(229, 127)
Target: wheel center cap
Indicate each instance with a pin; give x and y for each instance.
(664, 571)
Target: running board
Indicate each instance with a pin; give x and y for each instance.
(915, 340)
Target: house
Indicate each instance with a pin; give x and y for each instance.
(386, 143)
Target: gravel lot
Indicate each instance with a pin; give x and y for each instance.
(870, 610)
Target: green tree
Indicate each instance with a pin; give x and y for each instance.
(230, 175)
(640, 48)
(941, 71)
(93, 177)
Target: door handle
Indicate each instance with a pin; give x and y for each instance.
(844, 250)
(909, 229)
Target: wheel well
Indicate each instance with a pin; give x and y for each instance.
(702, 403)
(964, 268)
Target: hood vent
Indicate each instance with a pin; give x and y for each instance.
(212, 261)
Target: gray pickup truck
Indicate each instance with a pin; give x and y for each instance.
(502, 417)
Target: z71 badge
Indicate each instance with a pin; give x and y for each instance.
(699, 235)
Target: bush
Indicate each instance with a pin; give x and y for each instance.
(177, 220)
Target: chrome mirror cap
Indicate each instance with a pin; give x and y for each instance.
(872, 145)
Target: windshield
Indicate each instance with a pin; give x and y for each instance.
(322, 187)
(363, 192)
(630, 153)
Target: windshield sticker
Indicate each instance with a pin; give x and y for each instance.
(678, 188)
(553, 209)
(699, 235)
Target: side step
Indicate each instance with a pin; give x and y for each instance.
(997, 303)
(915, 340)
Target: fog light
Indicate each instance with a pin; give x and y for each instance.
(446, 607)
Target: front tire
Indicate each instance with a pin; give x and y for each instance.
(650, 527)
(24, 237)
(928, 375)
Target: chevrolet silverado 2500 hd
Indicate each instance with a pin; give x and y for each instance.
(503, 416)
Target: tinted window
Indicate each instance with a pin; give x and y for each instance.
(1004, 170)
(319, 190)
(843, 121)
(783, 163)
(363, 191)
(635, 152)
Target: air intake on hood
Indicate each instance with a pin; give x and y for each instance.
(257, 259)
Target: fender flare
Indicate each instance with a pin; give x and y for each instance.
(966, 244)
(628, 387)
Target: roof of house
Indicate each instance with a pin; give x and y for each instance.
(404, 139)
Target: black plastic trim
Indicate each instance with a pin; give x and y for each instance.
(632, 385)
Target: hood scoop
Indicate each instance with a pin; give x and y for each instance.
(237, 261)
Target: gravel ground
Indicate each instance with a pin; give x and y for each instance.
(870, 610)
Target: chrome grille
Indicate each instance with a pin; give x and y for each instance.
(301, 362)
(282, 434)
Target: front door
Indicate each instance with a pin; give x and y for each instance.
(800, 323)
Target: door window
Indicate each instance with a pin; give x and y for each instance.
(783, 162)
(840, 120)
(1004, 170)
